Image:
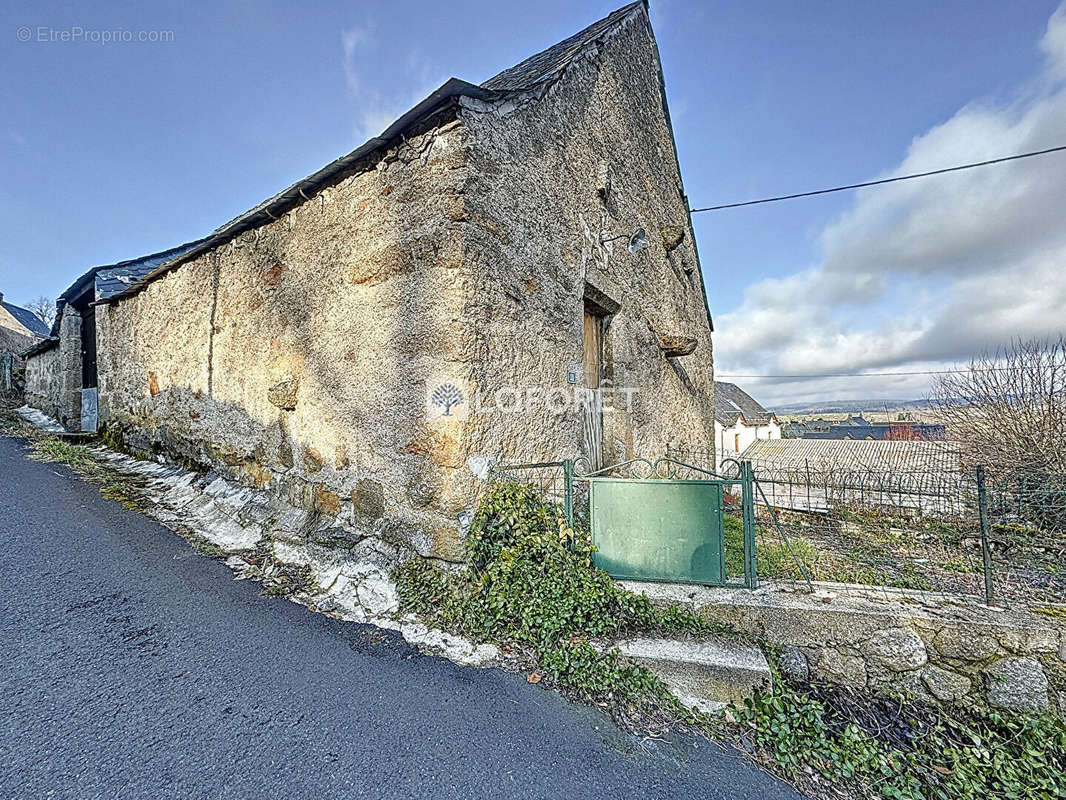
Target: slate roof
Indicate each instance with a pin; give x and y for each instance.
(26, 318)
(731, 402)
(546, 65)
(529, 74)
(110, 279)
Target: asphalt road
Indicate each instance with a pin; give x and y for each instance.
(134, 667)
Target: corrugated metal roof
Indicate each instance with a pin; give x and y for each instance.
(842, 455)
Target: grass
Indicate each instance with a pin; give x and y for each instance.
(777, 559)
(79, 458)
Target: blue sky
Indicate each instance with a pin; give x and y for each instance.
(113, 150)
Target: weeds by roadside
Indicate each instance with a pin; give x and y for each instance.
(279, 578)
(826, 738)
(80, 459)
(531, 588)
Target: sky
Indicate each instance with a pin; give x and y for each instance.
(114, 149)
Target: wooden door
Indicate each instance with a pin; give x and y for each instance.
(593, 350)
(593, 409)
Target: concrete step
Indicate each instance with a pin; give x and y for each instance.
(707, 674)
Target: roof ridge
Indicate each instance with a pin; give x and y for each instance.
(549, 62)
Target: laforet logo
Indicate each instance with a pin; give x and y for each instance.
(446, 400)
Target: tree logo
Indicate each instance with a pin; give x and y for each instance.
(447, 395)
(446, 401)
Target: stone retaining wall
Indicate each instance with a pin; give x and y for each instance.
(931, 648)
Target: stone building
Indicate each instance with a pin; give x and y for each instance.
(20, 329)
(61, 369)
(372, 339)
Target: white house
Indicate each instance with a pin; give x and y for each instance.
(739, 420)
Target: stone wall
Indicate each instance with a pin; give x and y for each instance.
(932, 648)
(296, 356)
(54, 376)
(558, 183)
(43, 381)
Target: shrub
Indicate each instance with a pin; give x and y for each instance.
(531, 582)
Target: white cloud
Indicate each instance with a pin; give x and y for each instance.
(375, 108)
(922, 273)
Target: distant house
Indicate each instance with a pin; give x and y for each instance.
(886, 432)
(20, 329)
(739, 420)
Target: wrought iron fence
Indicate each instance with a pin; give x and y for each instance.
(994, 538)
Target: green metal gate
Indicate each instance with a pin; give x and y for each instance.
(659, 526)
(658, 530)
(663, 528)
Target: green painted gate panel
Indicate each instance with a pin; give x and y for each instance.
(658, 530)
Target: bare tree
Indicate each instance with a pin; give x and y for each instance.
(1007, 408)
(44, 308)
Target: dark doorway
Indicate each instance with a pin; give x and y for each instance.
(593, 407)
(88, 348)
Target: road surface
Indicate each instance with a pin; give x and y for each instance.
(134, 667)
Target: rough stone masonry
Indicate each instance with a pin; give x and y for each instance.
(927, 646)
(295, 354)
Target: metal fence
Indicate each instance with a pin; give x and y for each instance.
(966, 533)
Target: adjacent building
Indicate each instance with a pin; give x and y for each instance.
(20, 329)
(739, 420)
(61, 369)
(508, 273)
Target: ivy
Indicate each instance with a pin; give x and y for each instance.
(882, 748)
(531, 583)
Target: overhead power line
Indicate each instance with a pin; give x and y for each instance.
(881, 181)
(872, 374)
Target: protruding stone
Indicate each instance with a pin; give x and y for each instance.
(793, 664)
(673, 235)
(896, 649)
(944, 684)
(832, 666)
(1018, 684)
(283, 394)
(674, 346)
